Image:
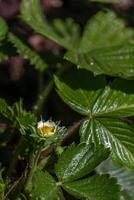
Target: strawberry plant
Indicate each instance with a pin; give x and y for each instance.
(81, 145)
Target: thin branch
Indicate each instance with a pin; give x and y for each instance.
(15, 157)
(12, 187)
(47, 90)
(72, 131)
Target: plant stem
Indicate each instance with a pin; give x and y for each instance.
(33, 165)
(13, 187)
(32, 168)
(71, 131)
(47, 90)
(43, 97)
(15, 157)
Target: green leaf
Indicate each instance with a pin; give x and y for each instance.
(114, 134)
(124, 176)
(111, 52)
(126, 196)
(28, 53)
(44, 187)
(78, 161)
(21, 118)
(63, 33)
(79, 89)
(88, 96)
(17, 115)
(115, 101)
(3, 105)
(3, 29)
(94, 188)
(104, 30)
(112, 61)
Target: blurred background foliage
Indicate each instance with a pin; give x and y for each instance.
(18, 78)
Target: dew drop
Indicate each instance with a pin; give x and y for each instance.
(92, 63)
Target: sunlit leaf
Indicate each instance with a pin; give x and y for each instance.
(78, 161)
(113, 133)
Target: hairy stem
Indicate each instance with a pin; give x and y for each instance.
(43, 97)
(71, 131)
(47, 90)
(33, 165)
(32, 168)
(14, 161)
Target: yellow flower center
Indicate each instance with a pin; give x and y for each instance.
(46, 129)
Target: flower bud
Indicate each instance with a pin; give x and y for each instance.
(46, 129)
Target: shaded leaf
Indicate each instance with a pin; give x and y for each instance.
(3, 29)
(104, 30)
(17, 115)
(78, 161)
(63, 33)
(79, 89)
(44, 187)
(111, 52)
(6, 50)
(96, 187)
(3, 105)
(113, 133)
(28, 53)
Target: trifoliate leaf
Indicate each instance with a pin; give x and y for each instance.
(89, 96)
(80, 89)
